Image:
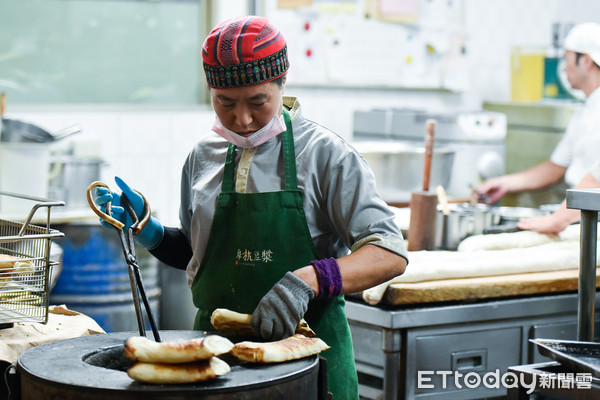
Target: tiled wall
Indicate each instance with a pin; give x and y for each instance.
(146, 148)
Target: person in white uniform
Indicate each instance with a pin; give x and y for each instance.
(577, 151)
(563, 216)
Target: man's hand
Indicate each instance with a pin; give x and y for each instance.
(494, 189)
(554, 223)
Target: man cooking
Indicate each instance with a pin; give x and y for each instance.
(577, 151)
(279, 216)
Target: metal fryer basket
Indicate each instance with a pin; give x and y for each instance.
(24, 287)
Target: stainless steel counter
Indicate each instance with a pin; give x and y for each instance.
(393, 344)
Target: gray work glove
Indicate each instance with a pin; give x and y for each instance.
(281, 309)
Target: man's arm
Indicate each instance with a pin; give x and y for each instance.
(536, 177)
(563, 216)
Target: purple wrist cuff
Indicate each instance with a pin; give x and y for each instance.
(329, 276)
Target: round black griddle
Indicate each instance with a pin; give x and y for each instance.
(93, 367)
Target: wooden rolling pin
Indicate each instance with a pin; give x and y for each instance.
(423, 205)
(2, 107)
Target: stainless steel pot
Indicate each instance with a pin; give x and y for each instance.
(461, 221)
(514, 214)
(398, 167)
(69, 178)
(15, 131)
(508, 218)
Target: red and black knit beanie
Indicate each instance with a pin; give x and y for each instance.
(244, 51)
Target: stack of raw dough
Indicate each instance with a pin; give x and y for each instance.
(490, 255)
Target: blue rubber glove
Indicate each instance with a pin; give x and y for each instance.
(153, 232)
(281, 309)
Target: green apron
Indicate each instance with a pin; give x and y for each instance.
(254, 240)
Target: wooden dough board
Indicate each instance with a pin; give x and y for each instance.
(482, 288)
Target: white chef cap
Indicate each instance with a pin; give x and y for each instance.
(585, 38)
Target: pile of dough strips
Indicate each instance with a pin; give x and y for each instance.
(490, 255)
(195, 360)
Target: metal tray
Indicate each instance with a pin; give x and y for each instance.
(578, 356)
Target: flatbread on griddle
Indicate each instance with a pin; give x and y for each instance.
(225, 320)
(291, 348)
(139, 348)
(178, 373)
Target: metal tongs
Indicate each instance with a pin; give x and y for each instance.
(127, 243)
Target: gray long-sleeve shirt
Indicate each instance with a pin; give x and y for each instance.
(342, 207)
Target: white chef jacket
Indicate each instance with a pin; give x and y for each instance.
(579, 147)
(342, 207)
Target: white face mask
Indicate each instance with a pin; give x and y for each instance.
(269, 131)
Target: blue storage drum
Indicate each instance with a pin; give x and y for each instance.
(95, 280)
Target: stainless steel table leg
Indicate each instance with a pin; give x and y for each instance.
(588, 201)
(391, 369)
(587, 275)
